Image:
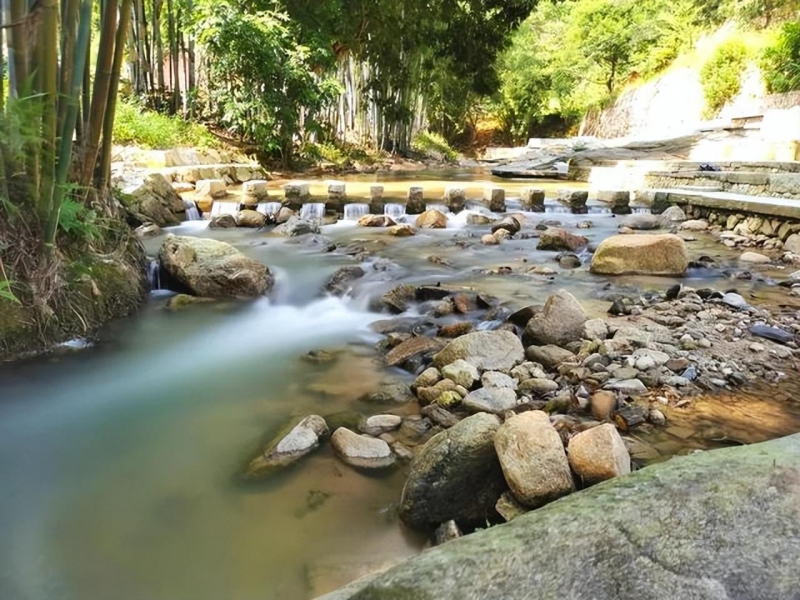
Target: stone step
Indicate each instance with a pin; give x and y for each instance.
(772, 185)
(231, 173)
(786, 208)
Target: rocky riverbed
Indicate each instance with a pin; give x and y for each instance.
(519, 357)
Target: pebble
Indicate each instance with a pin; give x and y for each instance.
(756, 347)
(656, 417)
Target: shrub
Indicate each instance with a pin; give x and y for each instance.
(780, 63)
(138, 126)
(722, 75)
(433, 144)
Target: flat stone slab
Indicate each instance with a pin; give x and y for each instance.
(762, 205)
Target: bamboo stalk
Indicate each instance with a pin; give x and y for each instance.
(47, 74)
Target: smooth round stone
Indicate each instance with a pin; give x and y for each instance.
(361, 451)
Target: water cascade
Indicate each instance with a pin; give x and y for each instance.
(154, 274)
(192, 212)
(269, 208)
(440, 207)
(353, 212)
(314, 211)
(395, 211)
(224, 208)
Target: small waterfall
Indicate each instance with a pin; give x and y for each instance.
(353, 212)
(395, 211)
(154, 274)
(224, 208)
(192, 212)
(440, 207)
(314, 211)
(269, 209)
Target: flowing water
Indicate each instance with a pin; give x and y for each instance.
(119, 462)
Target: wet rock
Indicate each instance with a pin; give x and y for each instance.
(393, 392)
(432, 219)
(533, 459)
(378, 221)
(454, 330)
(213, 269)
(560, 322)
(222, 222)
(378, 424)
(487, 350)
(734, 300)
(361, 451)
(152, 200)
(478, 219)
(403, 230)
(295, 227)
(288, 447)
(250, 218)
(792, 244)
(489, 240)
(148, 230)
(341, 281)
(461, 373)
(446, 532)
(490, 400)
(464, 304)
(449, 399)
(678, 510)
(641, 221)
(656, 417)
(509, 223)
(501, 235)
(771, 333)
(400, 298)
(430, 394)
(628, 417)
(416, 346)
(523, 315)
(456, 475)
(603, 405)
(180, 301)
(549, 356)
(569, 261)
(284, 215)
(559, 239)
(598, 454)
(641, 254)
(440, 415)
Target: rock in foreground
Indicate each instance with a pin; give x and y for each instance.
(361, 451)
(213, 269)
(455, 476)
(302, 439)
(641, 255)
(486, 350)
(719, 525)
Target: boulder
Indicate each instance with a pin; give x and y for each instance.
(598, 454)
(490, 400)
(489, 240)
(378, 424)
(432, 219)
(222, 222)
(694, 225)
(295, 226)
(283, 215)
(671, 216)
(390, 392)
(148, 230)
(376, 221)
(641, 255)
(533, 460)
(754, 258)
(478, 219)
(487, 350)
(595, 329)
(213, 269)
(549, 356)
(532, 199)
(509, 224)
(641, 221)
(603, 404)
(560, 322)
(714, 525)
(792, 244)
(411, 348)
(287, 447)
(556, 239)
(361, 451)
(250, 218)
(152, 200)
(456, 475)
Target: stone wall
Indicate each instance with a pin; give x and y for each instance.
(774, 185)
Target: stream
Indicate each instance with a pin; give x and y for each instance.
(119, 462)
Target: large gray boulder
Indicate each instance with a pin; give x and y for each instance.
(487, 350)
(213, 269)
(719, 525)
(560, 323)
(455, 476)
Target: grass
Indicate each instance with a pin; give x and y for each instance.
(433, 144)
(135, 125)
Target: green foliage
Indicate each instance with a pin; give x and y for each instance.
(77, 220)
(262, 86)
(6, 293)
(780, 63)
(433, 144)
(722, 74)
(139, 126)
